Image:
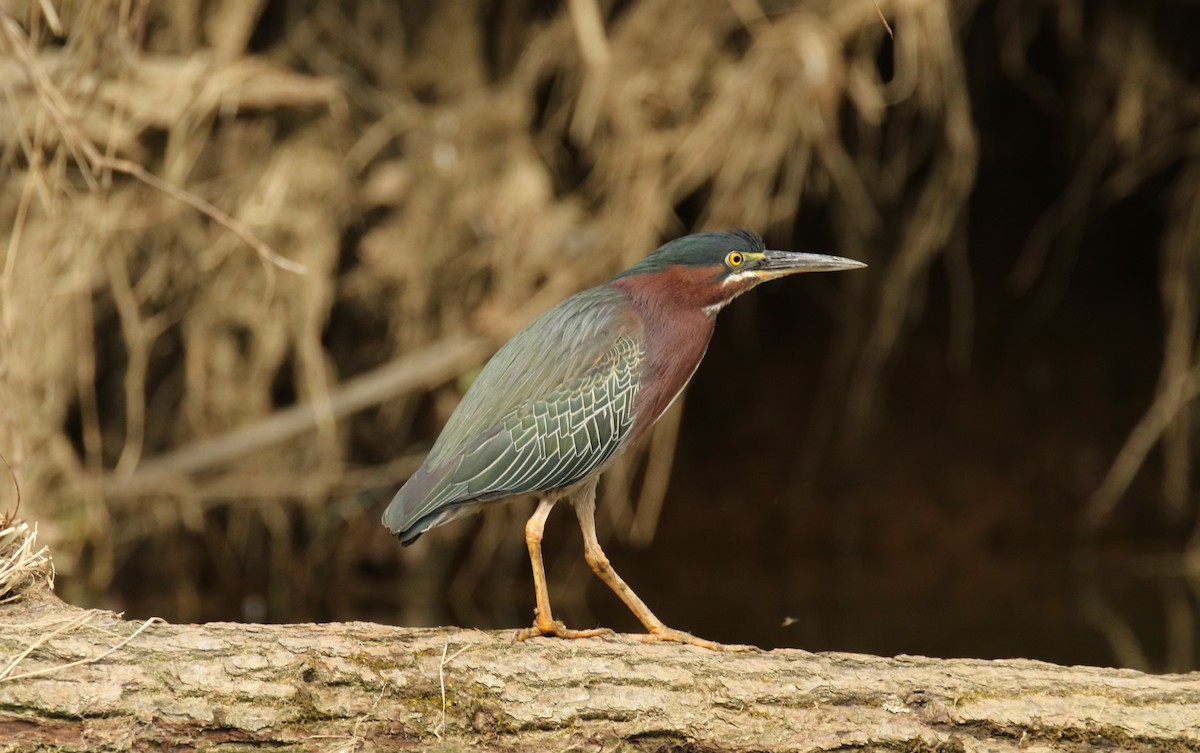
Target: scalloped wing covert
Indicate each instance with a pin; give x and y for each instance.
(552, 406)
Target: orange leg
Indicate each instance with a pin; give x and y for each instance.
(543, 621)
(585, 509)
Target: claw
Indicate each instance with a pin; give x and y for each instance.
(664, 634)
(557, 629)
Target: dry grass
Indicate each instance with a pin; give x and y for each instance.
(24, 566)
(195, 224)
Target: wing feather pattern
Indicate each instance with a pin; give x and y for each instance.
(554, 404)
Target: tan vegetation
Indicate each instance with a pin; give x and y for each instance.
(216, 212)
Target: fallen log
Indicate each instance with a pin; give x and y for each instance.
(73, 679)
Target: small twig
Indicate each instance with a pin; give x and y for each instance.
(43, 638)
(441, 725)
(883, 18)
(7, 676)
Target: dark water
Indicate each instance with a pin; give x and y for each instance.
(951, 527)
(863, 593)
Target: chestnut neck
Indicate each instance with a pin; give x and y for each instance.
(678, 312)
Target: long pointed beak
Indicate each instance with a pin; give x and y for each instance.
(780, 263)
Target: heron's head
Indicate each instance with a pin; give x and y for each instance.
(712, 269)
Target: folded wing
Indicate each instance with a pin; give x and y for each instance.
(553, 405)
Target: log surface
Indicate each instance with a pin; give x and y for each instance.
(361, 686)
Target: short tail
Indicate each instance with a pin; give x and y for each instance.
(396, 521)
(399, 518)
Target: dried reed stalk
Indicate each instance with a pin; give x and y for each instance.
(442, 178)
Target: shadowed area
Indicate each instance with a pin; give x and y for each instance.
(258, 252)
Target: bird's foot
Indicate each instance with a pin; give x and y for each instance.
(672, 635)
(557, 629)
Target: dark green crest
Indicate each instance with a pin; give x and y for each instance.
(699, 250)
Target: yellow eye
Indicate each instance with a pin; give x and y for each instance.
(735, 259)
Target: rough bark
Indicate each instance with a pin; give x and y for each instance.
(360, 686)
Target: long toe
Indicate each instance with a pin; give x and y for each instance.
(678, 636)
(557, 629)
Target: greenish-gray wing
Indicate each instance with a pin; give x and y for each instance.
(560, 346)
(561, 439)
(549, 408)
(547, 444)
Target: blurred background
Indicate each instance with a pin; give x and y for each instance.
(254, 251)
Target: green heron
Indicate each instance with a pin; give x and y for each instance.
(553, 408)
